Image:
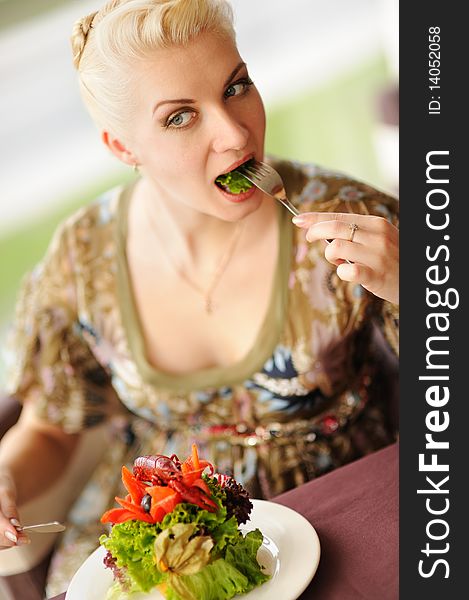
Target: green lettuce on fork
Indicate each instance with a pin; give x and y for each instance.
(178, 531)
(233, 182)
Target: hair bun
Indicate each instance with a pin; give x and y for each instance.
(80, 33)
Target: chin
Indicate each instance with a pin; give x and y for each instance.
(237, 212)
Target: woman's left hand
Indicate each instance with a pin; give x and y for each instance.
(364, 248)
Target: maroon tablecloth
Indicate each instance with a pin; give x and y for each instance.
(355, 513)
(354, 510)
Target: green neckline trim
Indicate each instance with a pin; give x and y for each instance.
(266, 340)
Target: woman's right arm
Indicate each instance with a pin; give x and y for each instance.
(33, 454)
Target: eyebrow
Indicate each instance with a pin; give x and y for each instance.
(234, 72)
(192, 101)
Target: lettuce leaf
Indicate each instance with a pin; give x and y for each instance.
(115, 592)
(235, 182)
(243, 555)
(132, 545)
(217, 581)
(224, 534)
(237, 573)
(190, 513)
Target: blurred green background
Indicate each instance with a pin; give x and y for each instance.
(16, 11)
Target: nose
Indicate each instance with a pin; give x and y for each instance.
(229, 133)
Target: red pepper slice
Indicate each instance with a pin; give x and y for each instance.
(117, 515)
(193, 467)
(200, 483)
(120, 515)
(135, 488)
(195, 457)
(163, 498)
(138, 510)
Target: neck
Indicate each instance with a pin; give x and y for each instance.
(193, 239)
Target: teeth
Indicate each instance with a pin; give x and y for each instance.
(222, 187)
(244, 163)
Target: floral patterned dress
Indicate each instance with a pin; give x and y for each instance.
(300, 403)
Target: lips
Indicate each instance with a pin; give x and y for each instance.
(238, 163)
(237, 198)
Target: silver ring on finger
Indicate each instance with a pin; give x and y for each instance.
(353, 228)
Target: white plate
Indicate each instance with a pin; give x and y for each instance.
(290, 553)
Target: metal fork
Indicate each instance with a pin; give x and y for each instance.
(51, 527)
(268, 180)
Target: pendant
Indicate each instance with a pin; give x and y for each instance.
(208, 306)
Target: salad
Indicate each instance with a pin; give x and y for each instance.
(177, 530)
(233, 182)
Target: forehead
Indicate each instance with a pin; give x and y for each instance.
(187, 71)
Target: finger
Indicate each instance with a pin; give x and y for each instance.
(10, 539)
(330, 230)
(338, 251)
(9, 520)
(5, 542)
(366, 277)
(370, 222)
(8, 502)
(355, 273)
(8, 534)
(23, 539)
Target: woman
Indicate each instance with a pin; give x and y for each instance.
(172, 310)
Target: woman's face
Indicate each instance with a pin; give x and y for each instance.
(199, 116)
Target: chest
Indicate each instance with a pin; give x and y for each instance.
(180, 336)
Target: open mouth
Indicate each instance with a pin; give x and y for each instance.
(234, 182)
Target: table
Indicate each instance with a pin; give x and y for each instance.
(354, 510)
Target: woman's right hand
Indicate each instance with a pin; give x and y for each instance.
(9, 535)
(30, 447)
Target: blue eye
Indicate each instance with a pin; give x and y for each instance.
(181, 119)
(238, 88)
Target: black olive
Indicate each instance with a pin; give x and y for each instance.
(146, 503)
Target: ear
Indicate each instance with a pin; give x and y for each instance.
(118, 149)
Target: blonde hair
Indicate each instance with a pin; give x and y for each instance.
(106, 43)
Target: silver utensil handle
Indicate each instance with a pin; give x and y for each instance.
(287, 204)
(53, 527)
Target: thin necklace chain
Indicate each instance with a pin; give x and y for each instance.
(221, 268)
